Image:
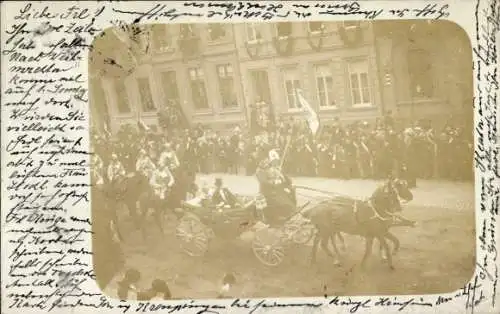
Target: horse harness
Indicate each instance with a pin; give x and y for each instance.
(376, 215)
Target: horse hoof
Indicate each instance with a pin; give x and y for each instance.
(391, 267)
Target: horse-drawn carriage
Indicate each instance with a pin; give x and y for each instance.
(370, 218)
(201, 223)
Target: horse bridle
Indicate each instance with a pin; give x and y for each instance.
(404, 183)
(376, 215)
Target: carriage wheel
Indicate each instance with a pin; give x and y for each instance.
(194, 236)
(299, 232)
(268, 247)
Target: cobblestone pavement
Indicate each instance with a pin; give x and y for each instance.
(437, 256)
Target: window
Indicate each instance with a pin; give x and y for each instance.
(420, 72)
(291, 79)
(324, 86)
(170, 113)
(216, 31)
(260, 84)
(161, 37)
(253, 31)
(99, 102)
(122, 101)
(169, 86)
(316, 27)
(187, 31)
(359, 85)
(284, 29)
(226, 86)
(145, 94)
(198, 91)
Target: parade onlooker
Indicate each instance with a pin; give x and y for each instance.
(355, 150)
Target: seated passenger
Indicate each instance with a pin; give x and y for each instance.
(203, 199)
(222, 197)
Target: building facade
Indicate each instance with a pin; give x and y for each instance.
(222, 74)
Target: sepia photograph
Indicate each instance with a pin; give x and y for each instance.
(290, 159)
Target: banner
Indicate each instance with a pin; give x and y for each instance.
(312, 117)
(142, 126)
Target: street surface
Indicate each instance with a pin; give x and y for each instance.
(436, 256)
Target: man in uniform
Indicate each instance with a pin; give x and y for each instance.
(277, 190)
(116, 176)
(97, 170)
(144, 164)
(161, 180)
(168, 158)
(115, 170)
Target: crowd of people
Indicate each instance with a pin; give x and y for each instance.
(338, 150)
(355, 150)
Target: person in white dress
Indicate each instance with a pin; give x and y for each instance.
(274, 158)
(204, 195)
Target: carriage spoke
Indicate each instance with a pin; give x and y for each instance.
(193, 235)
(267, 247)
(279, 254)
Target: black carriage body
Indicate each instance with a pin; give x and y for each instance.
(224, 222)
(281, 203)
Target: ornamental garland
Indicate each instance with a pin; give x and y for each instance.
(185, 43)
(319, 46)
(358, 36)
(288, 49)
(251, 54)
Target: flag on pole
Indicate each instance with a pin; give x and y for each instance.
(106, 130)
(312, 117)
(142, 126)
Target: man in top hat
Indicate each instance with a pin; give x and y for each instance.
(222, 197)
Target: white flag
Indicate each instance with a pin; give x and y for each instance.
(142, 126)
(106, 130)
(312, 116)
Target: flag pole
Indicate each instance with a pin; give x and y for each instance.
(285, 151)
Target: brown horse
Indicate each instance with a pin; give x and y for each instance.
(150, 203)
(370, 219)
